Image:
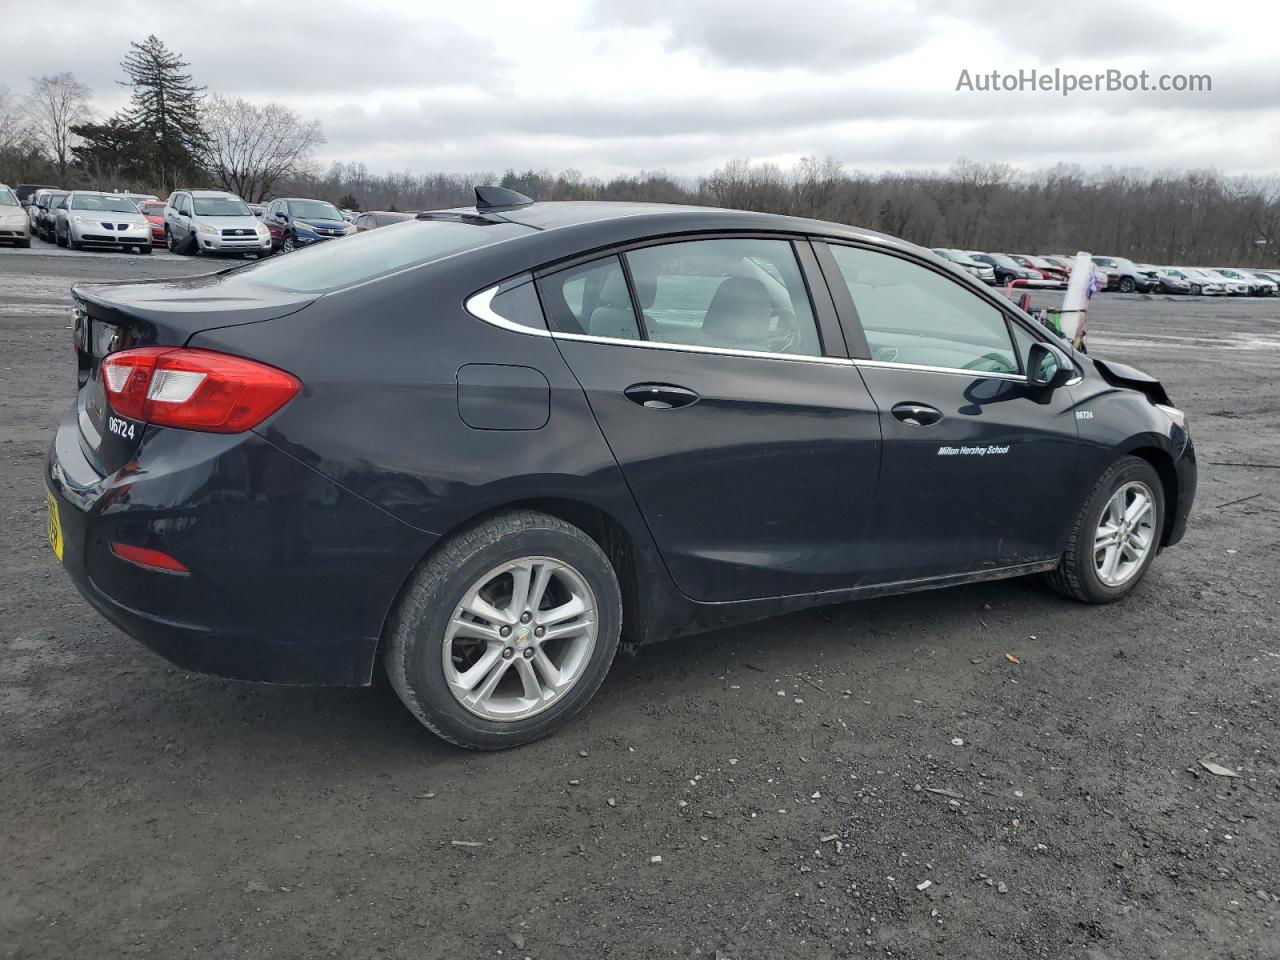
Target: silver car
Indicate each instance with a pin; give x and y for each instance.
(212, 221)
(93, 219)
(15, 228)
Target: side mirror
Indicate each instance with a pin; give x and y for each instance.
(281, 216)
(1048, 366)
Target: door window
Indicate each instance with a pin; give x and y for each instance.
(914, 316)
(591, 299)
(735, 293)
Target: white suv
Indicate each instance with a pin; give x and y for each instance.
(211, 221)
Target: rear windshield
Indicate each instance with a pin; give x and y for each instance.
(154, 209)
(374, 253)
(222, 207)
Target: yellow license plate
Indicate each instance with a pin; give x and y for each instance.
(55, 525)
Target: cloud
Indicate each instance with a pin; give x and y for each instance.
(267, 49)
(764, 34)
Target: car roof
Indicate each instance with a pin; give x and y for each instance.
(636, 219)
(209, 193)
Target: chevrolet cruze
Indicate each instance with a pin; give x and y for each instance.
(485, 447)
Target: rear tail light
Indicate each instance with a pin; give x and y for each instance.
(195, 389)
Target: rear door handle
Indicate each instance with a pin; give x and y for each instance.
(917, 414)
(659, 396)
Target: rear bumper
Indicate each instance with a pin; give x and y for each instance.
(291, 577)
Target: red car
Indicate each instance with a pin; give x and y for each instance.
(153, 210)
(1048, 269)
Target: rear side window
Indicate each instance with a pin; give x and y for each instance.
(374, 253)
(734, 293)
(915, 316)
(591, 299)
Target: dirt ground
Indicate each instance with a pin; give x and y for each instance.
(870, 780)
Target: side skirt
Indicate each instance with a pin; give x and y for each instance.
(702, 617)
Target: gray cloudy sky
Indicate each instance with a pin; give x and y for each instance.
(615, 86)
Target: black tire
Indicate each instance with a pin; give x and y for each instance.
(413, 654)
(1195, 289)
(59, 240)
(24, 243)
(145, 251)
(1127, 285)
(1076, 575)
(73, 244)
(287, 244)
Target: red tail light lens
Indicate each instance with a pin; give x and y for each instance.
(195, 389)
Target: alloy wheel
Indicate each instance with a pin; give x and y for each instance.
(1126, 533)
(286, 245)
(520, 638)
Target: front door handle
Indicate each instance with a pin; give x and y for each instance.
(917, 414)
(659, 396)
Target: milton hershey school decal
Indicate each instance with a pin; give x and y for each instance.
(992, 450)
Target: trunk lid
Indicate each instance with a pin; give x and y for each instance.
(108, 317)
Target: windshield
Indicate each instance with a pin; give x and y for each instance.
(313, 210)
(221, 207)
(1005, 261)
(374, 253)
(7, 199)
(153, 209)
(105, 204)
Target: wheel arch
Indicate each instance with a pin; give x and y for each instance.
(1162, 463)
(625, 554)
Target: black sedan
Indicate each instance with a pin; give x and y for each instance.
(488, 446)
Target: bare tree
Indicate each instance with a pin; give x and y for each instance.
(57, 103)
(253, 146)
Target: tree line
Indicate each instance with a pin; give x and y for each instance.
(1181, 217)
(173, 133)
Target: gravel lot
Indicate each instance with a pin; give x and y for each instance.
(870, 780)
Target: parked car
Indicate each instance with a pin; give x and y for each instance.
(140, 198)
(1258, 286)
(563, 453)
(1046, 268)
(1202, 283)
(1123, 275)
(211, 222)
(91, 218)
(153, 210)
(25, 191)
(257, 209)
(1234, 286)
(44, 212)
(373, 219)
(15, 228)
(1068, 263)
(1005, 267)
(1272, 275)
(1168, 281)
(296, 222)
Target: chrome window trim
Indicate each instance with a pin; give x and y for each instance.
(923, 368)
(480, 306)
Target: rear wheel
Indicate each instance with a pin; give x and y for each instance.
(1116, 535)
(506, 631)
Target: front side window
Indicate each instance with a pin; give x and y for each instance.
(732, 293)
(591, 299)
(914, 316)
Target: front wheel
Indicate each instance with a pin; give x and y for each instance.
(1116, 535)
(1127, 285)
(506, 631)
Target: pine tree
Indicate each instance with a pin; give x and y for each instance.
(165, 111)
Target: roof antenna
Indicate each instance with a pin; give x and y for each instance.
(489, 197)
